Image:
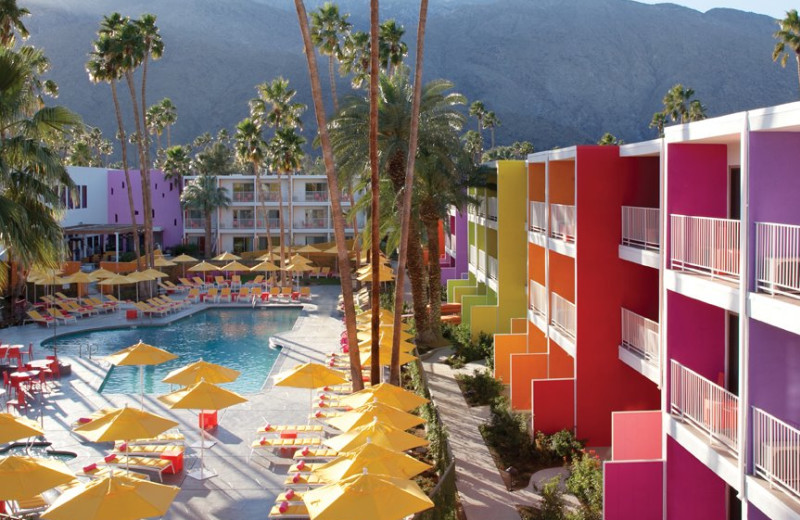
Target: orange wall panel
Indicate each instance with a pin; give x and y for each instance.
(562, 275)
(519, 325)
(524, 368)
(504, 346)
(562, 182)
(537, 342)
(561, 364)
(636, 435)
(536, 182)
(536, 263)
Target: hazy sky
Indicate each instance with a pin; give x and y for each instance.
(774, 8)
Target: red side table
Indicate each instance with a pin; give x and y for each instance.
(207, 419)
(176, 458)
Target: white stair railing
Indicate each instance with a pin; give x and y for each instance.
(705, 245)
(538, 299)
(776, 452)
(562, 222)
(778, 259)
(640, 227)
(538, 217)
(562, 315)
(640, 335)
(708, 406)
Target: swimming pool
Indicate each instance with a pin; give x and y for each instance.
(235, 338)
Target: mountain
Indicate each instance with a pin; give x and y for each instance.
(556, 72)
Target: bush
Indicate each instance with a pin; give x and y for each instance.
(465, 349)
(480, 388)
(188, 249)
(586, 483)
(128, 256)
(552, 501)
(507, 432)
(564, 445)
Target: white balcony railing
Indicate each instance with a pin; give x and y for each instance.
(706, 405)
(473, 255)
(312, 196)
(491, 268)
(482, 261)
(482, 208)
(538, 299)
(269, 196)
(640, 227)
(194, 223)
(778, 259)
(562, 222)
(640, 336)
(312, 223)
(243, 196)
(538, 217)
(562, 315)
(776, 452)
(705, 245)
(492, 210)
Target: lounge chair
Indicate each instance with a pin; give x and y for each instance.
(113, 299)
(315, 454)
(305, 467)
(146, 450)
(290, 495)
(221, 282)
(299, 428)
(85, 309)
(158, 466)
(243, 294)
(194, 295)
(64, 297)
(200, 283)
(225, 295)
(315, 272)
(286, 294)
(188, 284)
(176, 288)
(279, 445)
(212, 295)
(179, 304)
(29, 506)
(236, 282)
(303, 480)
(174, 437)
(95, 471)
(35, 317)
(293, 510)
(150, 310)
(101, 306)
(325, 272)
(168, 306)
(163, 289)
(60, 315)
(255, 294)
(258, 281)
(275, 293)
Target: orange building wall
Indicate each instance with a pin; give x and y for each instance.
(536, 263)
(504, 346)
(562, 275)
(562, 182)
(524, 368)
(537, 342)
(536, 184)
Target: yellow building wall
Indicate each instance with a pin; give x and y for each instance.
(512, 239)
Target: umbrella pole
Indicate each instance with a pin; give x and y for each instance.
(141, 385)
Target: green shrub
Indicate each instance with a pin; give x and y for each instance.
(480, 388)
(128, 256)
(586, 483)
(189, 249)
(552, 501)
(507, 432)
(564, 445)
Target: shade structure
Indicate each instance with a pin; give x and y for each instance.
(266, 266)
(203, 267)
(201, 371)
(366, 496)
(13, 428)
(160, 261)
(226, 257)
(387, 394)
(101, 274)
(184, 259)
(122, 424)
(366, 413)
(297, 267)
(79, 277)
(310, 375)
(117, 279)
(375, 460)
(26, 477)
(366, 315)
(385, 357)
(299, 259)
(202, 396)
(154, 273)
(308, 248)
(234, 266)
(385, 276)
(376, 433)
(113, 498)
(140, 354)
(50, 279)
(268, 256)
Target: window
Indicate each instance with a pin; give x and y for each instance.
(112, 191)
(136, 212)
(156, 186)
(84, 198)
(174, 222)
(116, 218)
(123, 185)
(152, 213)
(170, 186)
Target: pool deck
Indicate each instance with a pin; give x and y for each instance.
(243, 488)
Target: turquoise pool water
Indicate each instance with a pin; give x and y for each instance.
(235, 338)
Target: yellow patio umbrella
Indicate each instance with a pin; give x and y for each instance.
(298, 259)
(203, 267)
(140, 354)
(377, 433)
(184, 259)
(118, 280)
(26, 477)
(113, 498)
(368, 412)
(385, 343)
(373, 459)
(265, 266)
(199, 371)
(234, 266)
(79, 277)
(386, 332)
(385, 393)
(13, 428)
(366, 315)
(385, 357)
(101, 274)
(154, 273)
(268, 256)
(226, 257)
(309, 375)
(123, 424)
(385, 274)
(202, 396)
(373, 496)
(160, 261)
(308, 248)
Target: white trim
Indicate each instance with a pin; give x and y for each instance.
(648, 370)
(703, 289)
(774, 311)
(643, 257)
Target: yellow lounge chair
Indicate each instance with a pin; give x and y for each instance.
(315, 454)
(188, 284)
(243, 294)
(236, 282)
(149, 309)
(141, 463)
(59, 315)
(301, 480)
(299, 428)
(305, 467)
(295, 511)
(199, 283)
(305, 293)
(101, 305)
(95, 471)
(220, 281)
(225, 295)
(194, 295)
(35, 317)
(174, 437)
(212, 295)
(256, 282)
(146, 450)
(176, 288)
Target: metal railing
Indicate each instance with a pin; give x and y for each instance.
(243, 223)
(482, 207)
(312, 196)
(640, 335)
(312, 223)
(195, 223)
(243, 196)
(491, 268)
(778, 259)
(705, 245)
(708, 406)
(562, 222)
(482, 261)
(473, 255)
(538, 217)
(776, 452)
(269, 196)
(562, 315)
(538, 299)
(640, 227)
(492, 209)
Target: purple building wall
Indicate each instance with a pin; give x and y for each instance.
(458, 264)
(166, 203)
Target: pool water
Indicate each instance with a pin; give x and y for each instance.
(235, 338)
(39, 451)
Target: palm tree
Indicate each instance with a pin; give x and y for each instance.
(104, 65)
(328, 27)
(609, 139)
(788, 36)
(697, 111)
(413, 137)
(473, 145)
(177, 164)
(336, 207)
(478, 110)
(251, 148)
(169, 116)
(521, 149)
(677, 102)
(392, 48)
(658, 122)
(355, 58)
(285, 152)
(154, 123)
(11, 22)
(203, 194)
(491, 121)
(375, 296)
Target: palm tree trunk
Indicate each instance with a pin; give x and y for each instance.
(280, 224)
(375, 288)
(431, 222)
(169, 140)
(260, 196)
(333, 84)
(149, 239)
(124, 147)
(797, 59)
(148, 245)
(345, 272)
(405, 209)
(491, 132)
(354, 219)
(207, 245)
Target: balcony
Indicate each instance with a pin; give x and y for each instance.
(243, 196)
(482, 262)
(639, 345)
(776, 452)
(491, 213)
(473, 255)
(269, 196)
(705, 405)
(491, 268)
(563, 222)
(312, 196)
(312, 223)
(640, 228)
(562, 316)
(707, 246)
(537, 304)
(195, 223)
(538, 217)
(778, 259)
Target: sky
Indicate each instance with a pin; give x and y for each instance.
(773, 8)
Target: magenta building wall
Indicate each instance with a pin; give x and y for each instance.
(639, 486)
(696, 333)
(166, 203)
(459, 263)
(694, 492)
